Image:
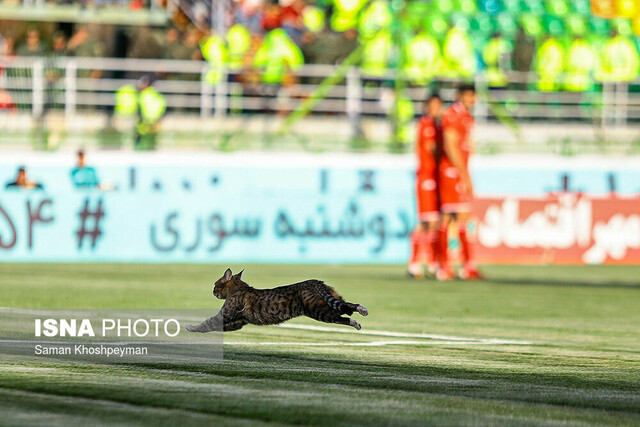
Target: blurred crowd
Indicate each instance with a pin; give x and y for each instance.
(84, 4)
(267, 40)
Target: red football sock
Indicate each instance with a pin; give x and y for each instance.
(432, 242)
(415, 247)
(423, 252)
(464, 243)
(443, 245)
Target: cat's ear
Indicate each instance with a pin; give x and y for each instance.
(227, 275)
(239, 275)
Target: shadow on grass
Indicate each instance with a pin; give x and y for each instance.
(561, 283)
(277, 374)
(563, 388)
(498, 280)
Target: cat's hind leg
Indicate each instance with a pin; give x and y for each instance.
(344, 321)
(355, 324)
(323, 312)
(359, 308)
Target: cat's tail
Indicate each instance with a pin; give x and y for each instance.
(333, 299)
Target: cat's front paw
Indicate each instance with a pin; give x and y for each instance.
(190, 328)
(363, 310)
(355, 324)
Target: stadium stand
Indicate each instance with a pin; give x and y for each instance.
(537, 60)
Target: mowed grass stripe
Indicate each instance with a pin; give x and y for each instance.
(21, 408)
(296, 402)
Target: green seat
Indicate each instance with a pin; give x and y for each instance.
(479, 41)
(492, 7)
(599, 26)
(597, 42)
(417, 11)
(460, 21)
(583, 7)
(622, 25)
(468, 7)
(511, 6)
(559, 8)
(445, 7)
(436, 24)
(531, 24)
(576, 25)
(483, 24)
(553, 25)
(533, 6)
(506, 25)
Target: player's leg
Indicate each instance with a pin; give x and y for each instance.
(444, 271)
(414, 267)
(469, 270)
(431, 242)
(448, 184)
(423, 235)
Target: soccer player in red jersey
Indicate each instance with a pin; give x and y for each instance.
(454, 180)
(424, 236)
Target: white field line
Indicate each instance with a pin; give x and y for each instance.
(405, 335)
(107, 343)
(366, 344)
(283, 343)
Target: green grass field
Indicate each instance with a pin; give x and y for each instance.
(529, 346)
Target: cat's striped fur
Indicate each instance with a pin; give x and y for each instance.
(244, 304)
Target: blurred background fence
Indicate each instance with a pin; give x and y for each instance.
(186, 90)
(59, 97)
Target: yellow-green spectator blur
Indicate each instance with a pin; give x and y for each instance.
(314, 19)
(238, 42)
(214, 51)
(126, 103)
(277, 55)
(459, 56)
(575, 44)
(619, 60)
(496, 56)
(376, 54)
(152, 105)
(147, 105)
(375, 17)
(345, 14)
(549, 64)
(423, 59)
(580, 66)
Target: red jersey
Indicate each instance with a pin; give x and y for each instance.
(457, 117)
(429, 137)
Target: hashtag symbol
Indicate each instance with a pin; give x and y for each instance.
(90, 217)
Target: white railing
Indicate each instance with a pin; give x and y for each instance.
(45, 84)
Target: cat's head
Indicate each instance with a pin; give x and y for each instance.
(222, 285)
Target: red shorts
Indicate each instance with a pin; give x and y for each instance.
(427, 197)
(452, 199)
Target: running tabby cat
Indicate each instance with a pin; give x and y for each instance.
(245, 304)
